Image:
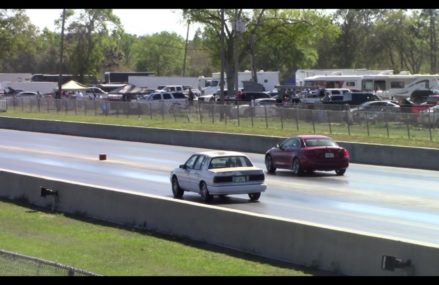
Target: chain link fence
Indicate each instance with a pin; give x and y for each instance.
(304, 118)
(14, 264)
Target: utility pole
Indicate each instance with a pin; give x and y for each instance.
(61, 52)
(238, 28)
(185, 48)
(252, 58)
(222, 59)
(235, 50)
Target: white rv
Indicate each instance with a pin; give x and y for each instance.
(301, 74)
(390, 86)
(352, 82)
(399, 86)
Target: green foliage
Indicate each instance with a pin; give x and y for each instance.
(161, 53)
(88, 40)
(273, 39)
(114, 251)
(17, 42)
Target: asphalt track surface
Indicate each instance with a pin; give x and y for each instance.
(398, 203)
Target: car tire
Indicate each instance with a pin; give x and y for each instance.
(296, 167)
(340, 172)
(204, 192)
(176, 189)
(269, 164)
(254, 196)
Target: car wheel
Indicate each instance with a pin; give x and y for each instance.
(176, 189)
(340, 172)
(204, 192)
(254, 196)
(269, 164)
(296, 167)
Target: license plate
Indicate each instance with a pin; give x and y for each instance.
(329, 155)
(239, 179)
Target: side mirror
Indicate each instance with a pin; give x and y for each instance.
(183, 166)
(278, 146)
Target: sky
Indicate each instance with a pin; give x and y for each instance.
(135, 21)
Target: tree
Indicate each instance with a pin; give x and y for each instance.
(17, 41)
(356, 26)
(288, 39)
(89, 38)
(161, 53)
(429, 18)
(211, 18)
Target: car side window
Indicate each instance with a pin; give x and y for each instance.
(191, 161)
(199, 162)
(290, 144)
(167, 96)
(285, 144)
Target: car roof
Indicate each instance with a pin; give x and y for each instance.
(265, 99)
(215, 153)
(313, 137)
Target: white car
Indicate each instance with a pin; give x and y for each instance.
(165, 101)
(262, 107)
(429, 117)
(218, 173)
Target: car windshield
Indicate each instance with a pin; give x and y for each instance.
(319, 142)
(229, 161)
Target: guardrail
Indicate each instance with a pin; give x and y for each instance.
(296, 242)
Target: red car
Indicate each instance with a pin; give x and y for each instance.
(306, 153)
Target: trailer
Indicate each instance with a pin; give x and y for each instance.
(41, 87)
(153, 82)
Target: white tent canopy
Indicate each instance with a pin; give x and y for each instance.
(73, 85)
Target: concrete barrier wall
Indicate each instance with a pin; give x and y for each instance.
(320, 248)
(360, 153)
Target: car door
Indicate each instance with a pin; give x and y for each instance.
(282, 156)
(155, 101)
(184, 174)
(195, 174)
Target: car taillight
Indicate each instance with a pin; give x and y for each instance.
(345, 153)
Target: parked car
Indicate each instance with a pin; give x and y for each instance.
(248, 96)
(261, 108)
(170, 88)
(218, 173)
(351, 98)
(373, 110)
(215, 97)
(307, 153)
(429, 117)
(95, 93)
(165, 100)
(31, 94)
(195, 91)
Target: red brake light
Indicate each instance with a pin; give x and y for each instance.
(345, 153)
